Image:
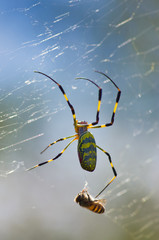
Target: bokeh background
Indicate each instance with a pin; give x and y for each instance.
(69, 39)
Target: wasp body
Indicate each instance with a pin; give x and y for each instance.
(86, 201)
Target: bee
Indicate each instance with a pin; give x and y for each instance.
(85, 200)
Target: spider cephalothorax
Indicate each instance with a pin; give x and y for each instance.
(81, 127)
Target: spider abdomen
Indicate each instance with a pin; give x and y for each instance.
(87, 151)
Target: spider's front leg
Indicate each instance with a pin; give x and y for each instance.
(61, 139)
(58, 155)
(115, 106)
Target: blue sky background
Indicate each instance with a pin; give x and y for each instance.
(69, 39)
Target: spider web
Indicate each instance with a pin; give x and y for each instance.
(68, 39)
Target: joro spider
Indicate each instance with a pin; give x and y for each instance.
(86, 142)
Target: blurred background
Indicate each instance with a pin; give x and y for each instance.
(69, 39)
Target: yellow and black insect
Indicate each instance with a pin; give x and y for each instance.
(86, 143)
(86, 201)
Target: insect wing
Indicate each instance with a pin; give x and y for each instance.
(101, 201)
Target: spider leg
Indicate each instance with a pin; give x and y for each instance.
(61, 139)
(99, 100)
(114, 171)
(62, 90)
(57, 156)
(115, 107)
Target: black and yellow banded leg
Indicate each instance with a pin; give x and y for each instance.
(62, 90)
(61, 139)
(114, 171)
(99, 101)
(48, 161)
(115, 107)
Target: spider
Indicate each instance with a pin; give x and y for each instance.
(86, 141)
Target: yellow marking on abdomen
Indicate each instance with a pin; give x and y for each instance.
(96, 209)
(91, 207)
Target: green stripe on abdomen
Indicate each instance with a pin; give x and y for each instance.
(87, 151)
